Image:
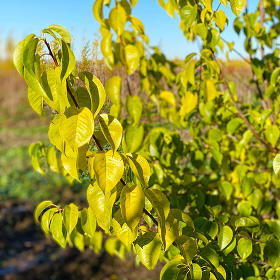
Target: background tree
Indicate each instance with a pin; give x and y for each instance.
(185, 178)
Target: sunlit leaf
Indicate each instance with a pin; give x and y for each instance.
(108, 168)
(111, 129)
(148, 247)
(113, 89)
(132, 204)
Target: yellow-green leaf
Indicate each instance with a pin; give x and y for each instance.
(68, 61)
(96, 90)
(88, 221)
(237, 6)
(133, 2)
(55, 89)
(70, 166)
(77, 129)
(162, 206)
(114, 247)
(111, 129)
(18, 53)
(96, 242)
(210, 90)
(189, 102)
(196, 271)
(108, 168)
(83, 97)
(224, 237)
(52, 159)
(36, 150)
(133, 138)
(70, 217)
(134, 108)
(60, 30)
(272, 134)
(46, 219)
(137, 24)
(276, 164)
(187, 246)
(54, 131)
(97, 10)
(35, 100)
(211, 255)
(208, 4)
(148, 247)
(168, 97)
(41, 207)
(244, 248)
(56, 228)
(172, 270)
(106, 46)
(132, 58)
(140, 167)
(101, 206)
(122, 230)
(132, 204)
(113, 89)
(78, 240)
(172, 229)
(117, 19)
(224, 2)
(220, 19)
(115, 110)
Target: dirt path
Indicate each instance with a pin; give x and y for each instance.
(25, 253)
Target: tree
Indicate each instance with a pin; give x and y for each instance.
(206, 204)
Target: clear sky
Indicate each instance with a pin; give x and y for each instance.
(18, 18)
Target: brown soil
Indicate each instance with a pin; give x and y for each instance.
(25, 253)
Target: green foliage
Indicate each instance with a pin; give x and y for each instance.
(195, 190)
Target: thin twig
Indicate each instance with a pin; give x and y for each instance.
(97, 143)
(72, 96)
(56, 64)
(51, 53)
(151, 216)
(128, 86)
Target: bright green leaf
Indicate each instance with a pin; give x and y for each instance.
(244, 247)
(224, 237)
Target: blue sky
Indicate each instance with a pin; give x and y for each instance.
(18, 18)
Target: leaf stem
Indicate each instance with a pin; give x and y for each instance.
(56, 64)
(128, 86)
(72, 96)
(97, 143)
(51, 53)
(151, 216)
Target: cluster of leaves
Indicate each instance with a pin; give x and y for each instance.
(205, 203)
